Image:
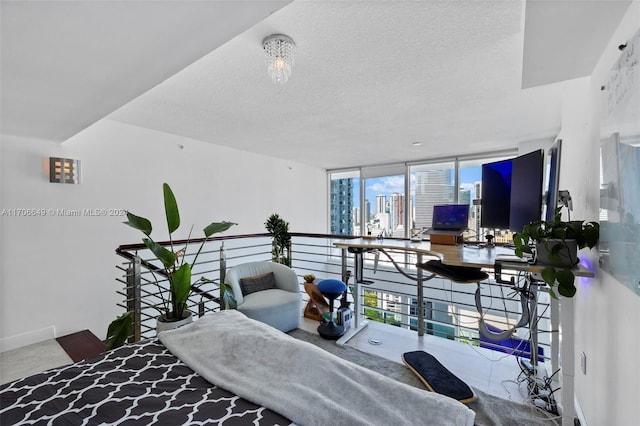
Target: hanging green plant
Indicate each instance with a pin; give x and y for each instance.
(556, 245)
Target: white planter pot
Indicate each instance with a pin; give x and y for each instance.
(568, 254)
(163, 325)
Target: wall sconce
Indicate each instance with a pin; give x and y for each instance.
(64, 170)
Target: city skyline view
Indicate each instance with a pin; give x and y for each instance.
(388, 185)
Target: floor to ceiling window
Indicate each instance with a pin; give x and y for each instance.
(344, 203)
(470, 192)
(384, 201)
(431, 184)
(374, 201)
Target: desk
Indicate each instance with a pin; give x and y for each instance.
(455, 255)
(458, 255)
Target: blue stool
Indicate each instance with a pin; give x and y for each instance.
(331, 289)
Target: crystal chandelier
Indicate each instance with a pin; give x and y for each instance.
(279, 52)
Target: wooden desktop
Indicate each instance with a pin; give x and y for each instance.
(455, 255)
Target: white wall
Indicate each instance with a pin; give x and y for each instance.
(607, 313)
(58, 273)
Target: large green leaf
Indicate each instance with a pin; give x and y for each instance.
(560, 233)
(521, 243)
(216, 227)
(228, 301)
(171, 208)
(165, 256)
(591, 234)
(565, 280)
(119, 330)
(549, 276)
(139, 223)
(181, 283)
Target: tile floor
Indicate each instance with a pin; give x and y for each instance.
(489, 371)
(22, 362)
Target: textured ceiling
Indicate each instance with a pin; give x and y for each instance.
(67, 64)
(371, 78)
(570, 43)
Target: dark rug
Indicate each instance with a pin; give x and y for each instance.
(490, 410)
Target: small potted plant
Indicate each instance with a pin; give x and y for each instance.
(309, 278)
(278, 228)
(556, 246)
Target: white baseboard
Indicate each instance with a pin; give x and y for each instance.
(579, 413)
(26, 339)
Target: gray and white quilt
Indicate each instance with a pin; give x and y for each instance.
(299, 380)
(223, 369)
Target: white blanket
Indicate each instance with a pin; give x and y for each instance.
(301, 381)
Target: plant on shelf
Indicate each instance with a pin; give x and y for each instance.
(278, 229)
(556, 246)
(174, 266)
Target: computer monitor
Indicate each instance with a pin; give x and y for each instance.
(526, 190)
(512, 192)
(496, 194)
(450, 217)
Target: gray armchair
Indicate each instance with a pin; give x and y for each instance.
(267, 292)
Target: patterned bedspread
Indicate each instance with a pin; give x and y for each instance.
(138, 384)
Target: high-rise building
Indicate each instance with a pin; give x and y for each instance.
(381, 204)
(342, 206)
(464, 196)
(355, 215)
(367, 211)
(396, 211)
(476, 208)
(432, 187)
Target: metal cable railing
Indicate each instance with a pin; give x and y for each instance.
(449, 309)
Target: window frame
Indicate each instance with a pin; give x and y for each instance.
(365, 172)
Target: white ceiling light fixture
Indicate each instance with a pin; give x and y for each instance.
(279, 52)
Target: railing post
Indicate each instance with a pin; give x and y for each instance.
(223, 274)
(420, 295)
(357, 307)
(533, 325)
(134, 296)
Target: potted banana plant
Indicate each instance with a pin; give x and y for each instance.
(174, 268)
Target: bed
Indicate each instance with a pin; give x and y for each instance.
(223, 369)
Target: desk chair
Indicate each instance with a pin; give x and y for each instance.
(457, 274)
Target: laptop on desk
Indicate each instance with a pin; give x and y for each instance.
(450, 221)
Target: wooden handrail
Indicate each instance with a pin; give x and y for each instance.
(139, 246)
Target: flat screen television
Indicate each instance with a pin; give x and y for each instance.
(496, 194)
(512, 191)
